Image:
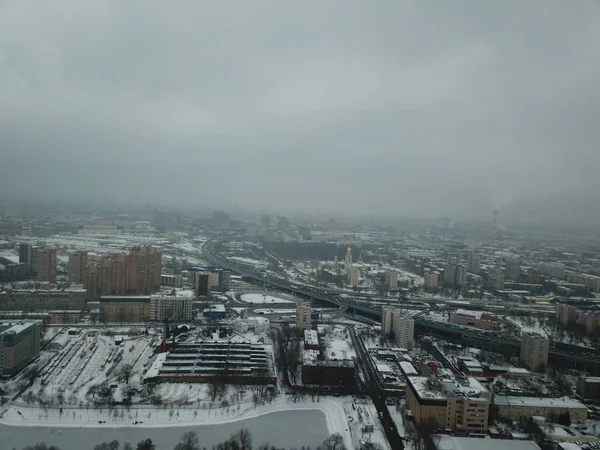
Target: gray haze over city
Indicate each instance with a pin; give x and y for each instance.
(415, 109)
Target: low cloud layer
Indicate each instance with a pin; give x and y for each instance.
(408, 108)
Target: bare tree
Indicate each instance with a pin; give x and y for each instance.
(216, 387)
(146, 444)
(334, 442)
(126, 370)
(189, 441)
(33, 373)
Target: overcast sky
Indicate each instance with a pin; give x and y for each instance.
(416, 108)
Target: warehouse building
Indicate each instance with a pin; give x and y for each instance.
(203, 361)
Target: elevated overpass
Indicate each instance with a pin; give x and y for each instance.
(562, 355)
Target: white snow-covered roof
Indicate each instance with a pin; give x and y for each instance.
(156, 365)
(563, 402)
(408, 368)
(311, 338)
(466, 312)
(445, 442)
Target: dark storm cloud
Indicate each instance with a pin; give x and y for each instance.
(406, 108)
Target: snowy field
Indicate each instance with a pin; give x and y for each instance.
(262, 299)
(70, 376)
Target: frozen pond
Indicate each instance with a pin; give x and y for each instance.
(283, 429)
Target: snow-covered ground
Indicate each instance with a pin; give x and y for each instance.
(262, 299)
(337, 411)
(526, 326)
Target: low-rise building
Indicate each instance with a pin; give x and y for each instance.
(446, 442)
(317, 369)
(477, 319)
(201, 362)
(258, 324)
(459, 403)
(589, 387)
(216, 311)
(64, 316)
(20, 343)
(513, 408)
(311, 340)
(42, 300)
(124, 308)
(171, 280)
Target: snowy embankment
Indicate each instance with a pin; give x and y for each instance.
(152, 417)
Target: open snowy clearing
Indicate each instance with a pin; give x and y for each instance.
(262, 299)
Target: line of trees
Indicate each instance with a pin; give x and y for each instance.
(242, 440)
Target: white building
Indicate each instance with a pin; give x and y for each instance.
(391, 279)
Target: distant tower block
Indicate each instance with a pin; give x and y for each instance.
(348, 259)
(495, 218)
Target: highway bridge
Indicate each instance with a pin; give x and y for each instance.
(562, 355)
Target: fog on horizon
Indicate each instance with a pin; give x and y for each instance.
(410, 108)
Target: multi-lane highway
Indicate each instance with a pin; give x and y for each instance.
(560, 354)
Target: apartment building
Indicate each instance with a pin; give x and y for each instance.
(202, 284)
(303, 318)
(136, 273)
(431, 280)
(387, 321)
(124, 308)
(177, 309)
(76, 268)
(459, 403)
(391, 279)
(42, 300)
(404, 332)
(352, 277)
(46, 265)
(566, 314)
(20, 343)
(534, 350)
(394, 325)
